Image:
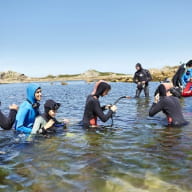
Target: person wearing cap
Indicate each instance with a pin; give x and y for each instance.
(28, 110)
(45, 123)
(142, 78)
(93, 110)
(182, 70)
(169, 104)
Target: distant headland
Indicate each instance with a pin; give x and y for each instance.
(89, 76)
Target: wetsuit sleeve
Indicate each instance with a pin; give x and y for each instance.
(7, 122)
(180, 75)
(99, 112)
(37, 125)
(155, 108)
(149, 77)
(20, 121)
(135, 79)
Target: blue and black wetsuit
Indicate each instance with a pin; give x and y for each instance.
(28, 111)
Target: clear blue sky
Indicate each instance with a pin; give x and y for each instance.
(41, 37)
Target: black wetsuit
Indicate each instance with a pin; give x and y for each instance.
(177, 81)
(94, 110)
(7, 122)
(142, 75)
(171, 107)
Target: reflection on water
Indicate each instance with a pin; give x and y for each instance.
(138, 154)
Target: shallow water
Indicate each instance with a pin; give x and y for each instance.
(137, 154)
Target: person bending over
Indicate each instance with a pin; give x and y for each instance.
(93, 110)
(142, 78)
(28, 110)
(169, 105)
(7, 122)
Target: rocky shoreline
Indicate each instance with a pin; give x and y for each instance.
(88, 76)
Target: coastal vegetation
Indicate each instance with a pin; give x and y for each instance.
(89, 76)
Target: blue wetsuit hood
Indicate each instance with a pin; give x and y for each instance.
(31, 89)
(27, 111)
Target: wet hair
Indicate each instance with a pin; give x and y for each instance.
(102, 87)
(189, 63)
(161, 90)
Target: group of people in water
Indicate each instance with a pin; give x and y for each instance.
(28, 120)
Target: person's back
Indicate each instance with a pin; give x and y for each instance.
(169, 105)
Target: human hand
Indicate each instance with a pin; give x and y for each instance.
(108, 106)
(113, 108)
(156, 99)
(13, 106)
(49, 124)
(66, 121)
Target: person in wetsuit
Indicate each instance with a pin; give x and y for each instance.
(46, 123)
(142, 78)
(29, 109)
(7, 122)
(93, 110)
(169, 105)
(177, 78)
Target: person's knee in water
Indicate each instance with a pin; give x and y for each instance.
(93, 110)
(7, 122)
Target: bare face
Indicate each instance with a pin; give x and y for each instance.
(52, 113)
(105, 92)
(38, 94)
(137, 68)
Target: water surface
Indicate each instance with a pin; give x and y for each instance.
(136, 154)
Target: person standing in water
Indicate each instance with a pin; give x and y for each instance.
(169, 105)
(93, 110)
(7, 122)
(142, 78)
(29, 109)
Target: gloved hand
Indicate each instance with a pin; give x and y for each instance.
(113, 108)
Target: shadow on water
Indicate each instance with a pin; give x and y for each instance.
(137, 154)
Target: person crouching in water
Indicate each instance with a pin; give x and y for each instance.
(169, 105)
(142, 78)
(93, 110)
(28, 110)
(47, 122)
